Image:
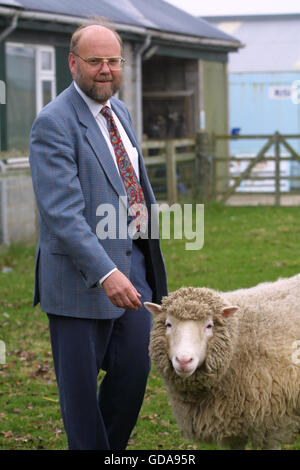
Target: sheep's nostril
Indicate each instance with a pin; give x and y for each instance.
(183, 361)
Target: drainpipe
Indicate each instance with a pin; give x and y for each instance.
(10, 28)
(139, 87)
(3, 35)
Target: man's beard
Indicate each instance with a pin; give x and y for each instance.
(101, 95)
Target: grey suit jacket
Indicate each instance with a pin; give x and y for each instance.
(73, 173)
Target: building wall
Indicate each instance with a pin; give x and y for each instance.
(128, 92)
(63, 75)
(215, 107)
(215, 96)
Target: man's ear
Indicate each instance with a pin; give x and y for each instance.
(72, 63)
(228, 311)
(153, 308)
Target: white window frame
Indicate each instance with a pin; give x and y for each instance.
(41, 75)
(44, 75)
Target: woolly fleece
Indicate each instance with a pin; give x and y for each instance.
(248, 389)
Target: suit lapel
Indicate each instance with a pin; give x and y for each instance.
(125, 123)
(101, 150)
(97, 142)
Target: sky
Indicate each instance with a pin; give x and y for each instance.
(236, 7)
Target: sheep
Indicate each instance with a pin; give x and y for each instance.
(229, 362)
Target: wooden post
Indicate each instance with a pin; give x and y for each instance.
(277, 168)
(171, 172)
(214, 168)
(204, 176)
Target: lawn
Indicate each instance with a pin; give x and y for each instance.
(242, 246)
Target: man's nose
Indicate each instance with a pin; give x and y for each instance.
(105, 68)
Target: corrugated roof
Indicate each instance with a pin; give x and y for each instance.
(153, 14)
(272, 43)
(11, 3)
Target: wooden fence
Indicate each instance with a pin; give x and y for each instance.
(182, 168)
(276, 149)
(171, 166)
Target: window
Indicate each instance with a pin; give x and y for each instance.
(46, 60)
(45, 77)
(30, 77)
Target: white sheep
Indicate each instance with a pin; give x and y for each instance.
(231, 362)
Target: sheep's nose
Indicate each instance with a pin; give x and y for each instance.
(183, 361)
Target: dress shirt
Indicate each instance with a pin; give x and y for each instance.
(132, 152)
(95, 109)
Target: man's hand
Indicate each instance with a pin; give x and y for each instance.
(121, 292)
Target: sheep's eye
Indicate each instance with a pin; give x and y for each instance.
(209, 326)
(168, 324)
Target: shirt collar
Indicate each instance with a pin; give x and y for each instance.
(94, 107)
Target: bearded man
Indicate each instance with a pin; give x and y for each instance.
(85, 159)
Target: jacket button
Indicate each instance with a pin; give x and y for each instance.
(128, 252)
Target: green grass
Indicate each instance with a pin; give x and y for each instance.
(243, 246)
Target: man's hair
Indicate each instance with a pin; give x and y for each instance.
(98, 21)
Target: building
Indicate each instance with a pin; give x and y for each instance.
(263, 87)
(175, 80)
(174, 77)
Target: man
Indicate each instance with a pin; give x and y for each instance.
(85, 160)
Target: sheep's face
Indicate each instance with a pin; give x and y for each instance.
(192, 338)
(187, 343)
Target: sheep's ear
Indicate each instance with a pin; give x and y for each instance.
(153, 308)
(228, 311)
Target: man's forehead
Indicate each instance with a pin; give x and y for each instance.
(97, 36)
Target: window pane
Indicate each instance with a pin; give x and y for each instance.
(46, 91)
(21, 102)
(46, 60)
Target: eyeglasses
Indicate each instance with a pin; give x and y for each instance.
(114, 63)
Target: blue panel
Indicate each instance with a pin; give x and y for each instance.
(260, 103)
(253, 111)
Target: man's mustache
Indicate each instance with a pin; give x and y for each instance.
(105, 78)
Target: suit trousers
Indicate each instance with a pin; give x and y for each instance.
(81, 347)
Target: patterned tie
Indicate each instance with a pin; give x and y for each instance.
(132, 186)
